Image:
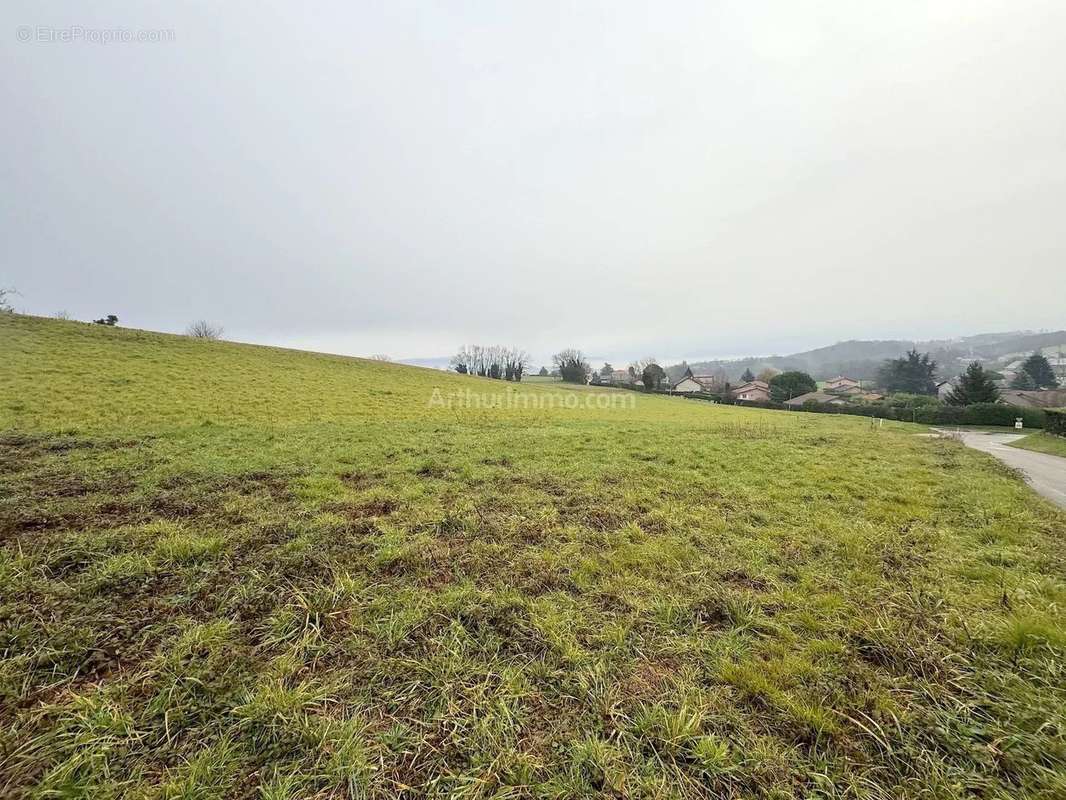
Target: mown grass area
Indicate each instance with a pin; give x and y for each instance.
(1043, 443)
(231, 571)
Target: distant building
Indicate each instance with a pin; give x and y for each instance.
(690, 384)
(816, 397)
(943, 389)
(842, 383)
(844, 390)
(752, 392)
(1044, 398)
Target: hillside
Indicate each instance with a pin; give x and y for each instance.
(861, 358)
(237, 571)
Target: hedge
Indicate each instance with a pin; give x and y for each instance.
(979, 414)
(1055, 421)
(1000, 414)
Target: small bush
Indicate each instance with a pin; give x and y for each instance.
(1055, 421)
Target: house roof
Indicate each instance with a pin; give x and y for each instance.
(752, 385)
(1046, 398)
(703, 384)
(842, 378)
(813, 397)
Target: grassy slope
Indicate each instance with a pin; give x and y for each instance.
(1043, 443)
(233, 571)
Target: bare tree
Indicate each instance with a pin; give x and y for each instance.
(572, 365)
(61, 315)
(380, 357)
(641, 364)
(202, 329)
(494, 361)
(462, 361)
(5, 300)
(516, 362)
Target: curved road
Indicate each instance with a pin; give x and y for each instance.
(1046, 474)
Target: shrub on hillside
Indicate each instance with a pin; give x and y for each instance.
(1055, 421)
(936, 414)
(907, 400)
(981, 414)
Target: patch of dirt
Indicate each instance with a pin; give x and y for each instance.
(376, 507)
(361, 480)
(740, 577)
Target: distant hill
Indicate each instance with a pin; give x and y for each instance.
(861, 358)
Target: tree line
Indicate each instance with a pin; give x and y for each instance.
(915, 373)
(494, 361)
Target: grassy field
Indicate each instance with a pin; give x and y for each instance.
(1043, 443)
(233, 571)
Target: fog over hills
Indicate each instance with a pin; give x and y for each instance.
(861, 358)
(857, 358)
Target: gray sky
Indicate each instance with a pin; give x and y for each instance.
(683, 179)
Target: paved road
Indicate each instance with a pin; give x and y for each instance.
(1046, 474)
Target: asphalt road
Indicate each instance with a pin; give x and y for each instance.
(1046, 474)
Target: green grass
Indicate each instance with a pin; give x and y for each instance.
(1043, 443)
(234, 571)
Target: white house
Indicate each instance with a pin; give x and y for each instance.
(689, 383)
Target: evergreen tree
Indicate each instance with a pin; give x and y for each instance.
(653, 376)
(787, 385)
(912, 374)
(747, 376)
(1039, 368)
(1024, 381)
(975, 386)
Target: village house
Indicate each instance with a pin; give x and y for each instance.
(1044, 398)
(843, 384)
(691, 384)
(752, 392)
(944, 388)
(816, 397)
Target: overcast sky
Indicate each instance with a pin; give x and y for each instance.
(680, 179)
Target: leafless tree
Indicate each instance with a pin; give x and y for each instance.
(641, 363)
(5, 300)
(572, 365)
(516, 362)
(494, 361)
(380, 357)
(202, 329)
(61, 315)
(462, 360)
